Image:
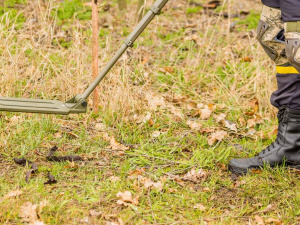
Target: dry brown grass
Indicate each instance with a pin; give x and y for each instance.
(69, 71)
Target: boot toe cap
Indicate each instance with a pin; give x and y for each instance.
(241, 166)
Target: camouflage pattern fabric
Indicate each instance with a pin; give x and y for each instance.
(272, 36)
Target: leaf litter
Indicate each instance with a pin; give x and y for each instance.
(126, 198)
(29, 212)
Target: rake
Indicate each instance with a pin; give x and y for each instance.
(78, 104)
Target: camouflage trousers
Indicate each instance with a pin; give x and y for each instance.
(272, 36)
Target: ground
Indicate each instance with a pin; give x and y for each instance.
(190, 95)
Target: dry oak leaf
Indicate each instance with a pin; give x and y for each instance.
(217, 136)
(230, 125)
(126, 198)
(148, 183)
(205, 113)
(114, 145)
(28, 214)
(194, 175)
(194, 125)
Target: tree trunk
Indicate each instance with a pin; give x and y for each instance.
(95, 29)
(140, 10)
(122, 4)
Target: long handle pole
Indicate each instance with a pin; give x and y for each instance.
(154, 10)
(95, 52)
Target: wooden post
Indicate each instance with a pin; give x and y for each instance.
(122, 4)
(95, 52)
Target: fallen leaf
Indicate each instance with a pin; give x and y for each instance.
(154, 101)
(200, 106)
(135, 173)
(239, 183)
(143, 118)
(172, 190)
(206, 189)
(176, 112)
(219, 118)
(194, 175)
(71, 165)
(194, 125)
(205, 114)
(168, 69)
(207, 130)
(148, 183)
(259, 220)
(126, 197)
(199, 206)
(256, 171)
(58, 135)
(217, 136)
(28, 213)
(100, 126)
(114, 145)
(105, 137)
(94, 213)
(254, 106)
(246, 59)
(230, 125)
(191, 105)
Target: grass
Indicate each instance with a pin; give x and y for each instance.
(175, 66)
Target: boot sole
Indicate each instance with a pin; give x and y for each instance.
(242, 171)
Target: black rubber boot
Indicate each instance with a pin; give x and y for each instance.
(285, 150)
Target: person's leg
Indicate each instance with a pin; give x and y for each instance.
(290, 10)
(286, 98)
(271, 3)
